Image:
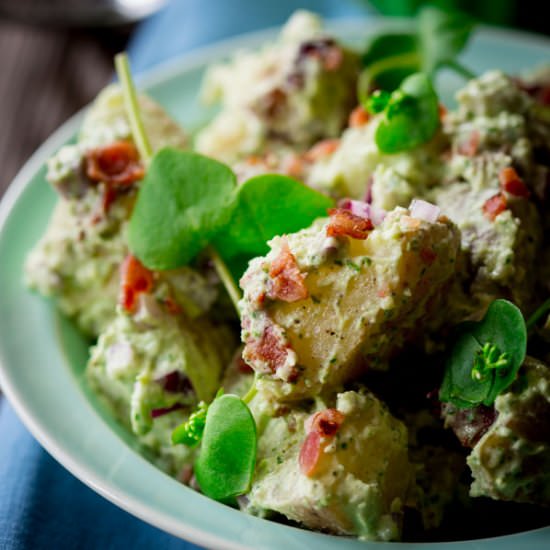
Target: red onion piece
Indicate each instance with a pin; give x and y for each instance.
(364, 210)
(175, 382)
(155, 413)
(424, 210)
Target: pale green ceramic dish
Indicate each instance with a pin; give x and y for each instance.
(42, 356)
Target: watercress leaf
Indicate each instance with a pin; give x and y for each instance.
(411, 116)
(227, 458)
(458, 384)
(442, 35)
(503, 326)
(503, 331)
(184, 200)
(389, 58)
(378, 101)
(266, 206)
(437, 39)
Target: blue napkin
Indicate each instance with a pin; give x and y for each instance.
(42, 506)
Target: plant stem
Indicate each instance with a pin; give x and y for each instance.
(461, 70)
(250, 394)
(540, 311)
(132, 107)
(145, 151)
(368, 76)
(225, 277)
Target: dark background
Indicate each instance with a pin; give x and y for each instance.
(48, 71)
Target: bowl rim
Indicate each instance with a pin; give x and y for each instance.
(159, 74)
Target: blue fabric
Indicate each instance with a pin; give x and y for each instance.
(42, 506)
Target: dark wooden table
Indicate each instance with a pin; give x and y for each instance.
(46, 75)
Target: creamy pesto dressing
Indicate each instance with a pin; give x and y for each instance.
(375, 296)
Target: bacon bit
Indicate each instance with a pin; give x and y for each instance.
(186, 474)
(512, 183)
(295, 166)
(320, 427)
(383, 291)
(494, 206)
(116, 164)
(470, 147)
(287, 282)
(343, 222)
(273, 103)
(243, 366)
(325, 50)
(358, 117)
(269, 349)
(135, 280)
(310, 453)
(322, 149)
(326, 422)
(428, 255)
(442, 111)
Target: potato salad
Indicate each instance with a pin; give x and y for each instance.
(328, 307)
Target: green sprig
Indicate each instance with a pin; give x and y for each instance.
(410, 115)
(190, 432)
(436, 42)
(485, 357)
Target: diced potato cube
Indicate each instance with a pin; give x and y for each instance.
(359, 482)
(365, 298)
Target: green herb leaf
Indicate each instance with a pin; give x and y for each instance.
(411, 116)
(378, 101)
(436, 42)
(184, 200)
(226, 462)
(190, 433)
(442, 36)
(266, 206)
(485, 357)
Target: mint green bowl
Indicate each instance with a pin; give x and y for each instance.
(42, 356)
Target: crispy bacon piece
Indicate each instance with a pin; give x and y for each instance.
(326, 422)
(512, 183)
(358, 117)
(287, 282)
(269, 348)
(325, 50)
(321, 427)
(135, 279)
(295, 167)
(343, 222)
(322, 149)
(310, 453)
(494, 206)
(243, 366)
(469, 148)
(115, 164)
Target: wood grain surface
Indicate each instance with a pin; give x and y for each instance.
(46, 75)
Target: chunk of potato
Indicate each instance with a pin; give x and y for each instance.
(365, 298)
(512, 460)
(359, 482)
